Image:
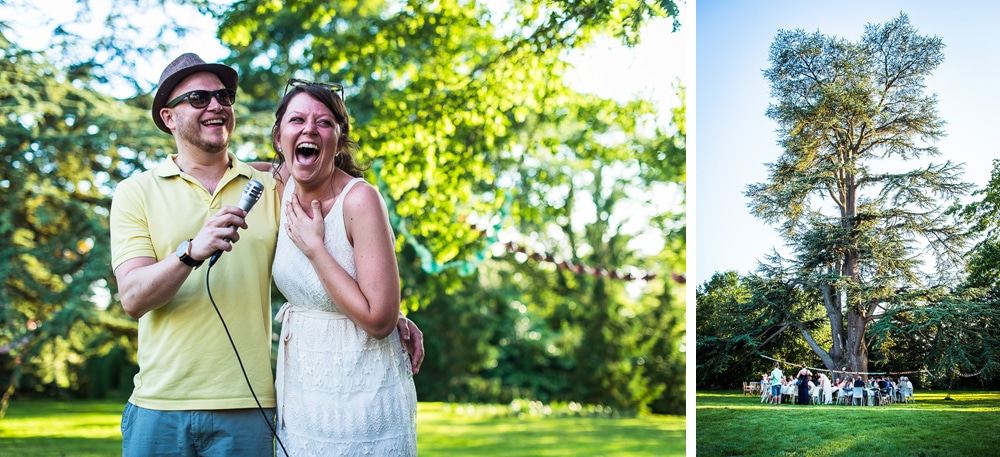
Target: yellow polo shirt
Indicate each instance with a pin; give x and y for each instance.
(186, 361)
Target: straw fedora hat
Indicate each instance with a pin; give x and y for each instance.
(182, 67)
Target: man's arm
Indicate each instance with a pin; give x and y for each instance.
(145, 284)
(266, 167)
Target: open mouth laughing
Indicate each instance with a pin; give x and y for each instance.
(306, 153)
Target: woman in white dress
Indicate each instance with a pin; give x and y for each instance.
(344, 381)
(826, 389)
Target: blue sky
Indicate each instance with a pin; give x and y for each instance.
(734, 139)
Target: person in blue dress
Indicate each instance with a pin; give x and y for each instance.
(803, 378)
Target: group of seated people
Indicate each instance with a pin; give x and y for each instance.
(852, 390)
(875, 390)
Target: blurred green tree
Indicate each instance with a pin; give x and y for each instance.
(475, 136)
(62, 147)
(475, 139)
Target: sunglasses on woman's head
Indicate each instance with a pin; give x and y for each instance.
(332, 87)
(201, 98)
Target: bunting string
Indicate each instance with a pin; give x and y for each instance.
(13, 346)
(581, 269)
(17, 343)
(465, 267)
(966, 375)
(893, 373)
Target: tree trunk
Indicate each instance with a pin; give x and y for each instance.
(5, 401)
(832, 301)
(856, 350)
(856, 353)
(951, 379)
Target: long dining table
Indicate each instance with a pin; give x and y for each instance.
(792, 391)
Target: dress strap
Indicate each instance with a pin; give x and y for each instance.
(349, 185)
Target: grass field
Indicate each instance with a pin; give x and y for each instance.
(91, 428)
(730, 424)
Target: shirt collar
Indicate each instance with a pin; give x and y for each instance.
(169, 167)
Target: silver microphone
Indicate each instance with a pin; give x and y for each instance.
(251, 193)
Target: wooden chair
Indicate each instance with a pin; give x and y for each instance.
(747, 388)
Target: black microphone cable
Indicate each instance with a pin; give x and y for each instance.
(251, 193)
(208, 287)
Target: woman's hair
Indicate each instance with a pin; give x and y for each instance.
(347, 147)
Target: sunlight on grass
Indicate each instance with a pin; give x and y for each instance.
(62, 420)
(91, 428)
(485, 430)
(729, 423)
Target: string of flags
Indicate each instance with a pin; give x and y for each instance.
(16, 344)
(466, 267)
(893, 373)
(966, 375)
(581, 269)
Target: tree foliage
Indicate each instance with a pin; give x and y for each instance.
(849, 115)
(473, 136)
(967, 337)
(433, 85)
(956, 334)
(742, 322)
(62, 150)
(954, 329)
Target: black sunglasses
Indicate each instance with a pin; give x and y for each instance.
(333, 87)
(201, 98)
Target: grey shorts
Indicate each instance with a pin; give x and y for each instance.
(225, 432)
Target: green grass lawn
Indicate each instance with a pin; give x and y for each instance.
(730, 424)
(91, 428)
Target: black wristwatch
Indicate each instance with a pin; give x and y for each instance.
(184, 255)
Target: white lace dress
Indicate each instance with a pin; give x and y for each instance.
(340, 391)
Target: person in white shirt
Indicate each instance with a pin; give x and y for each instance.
(826, 389)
